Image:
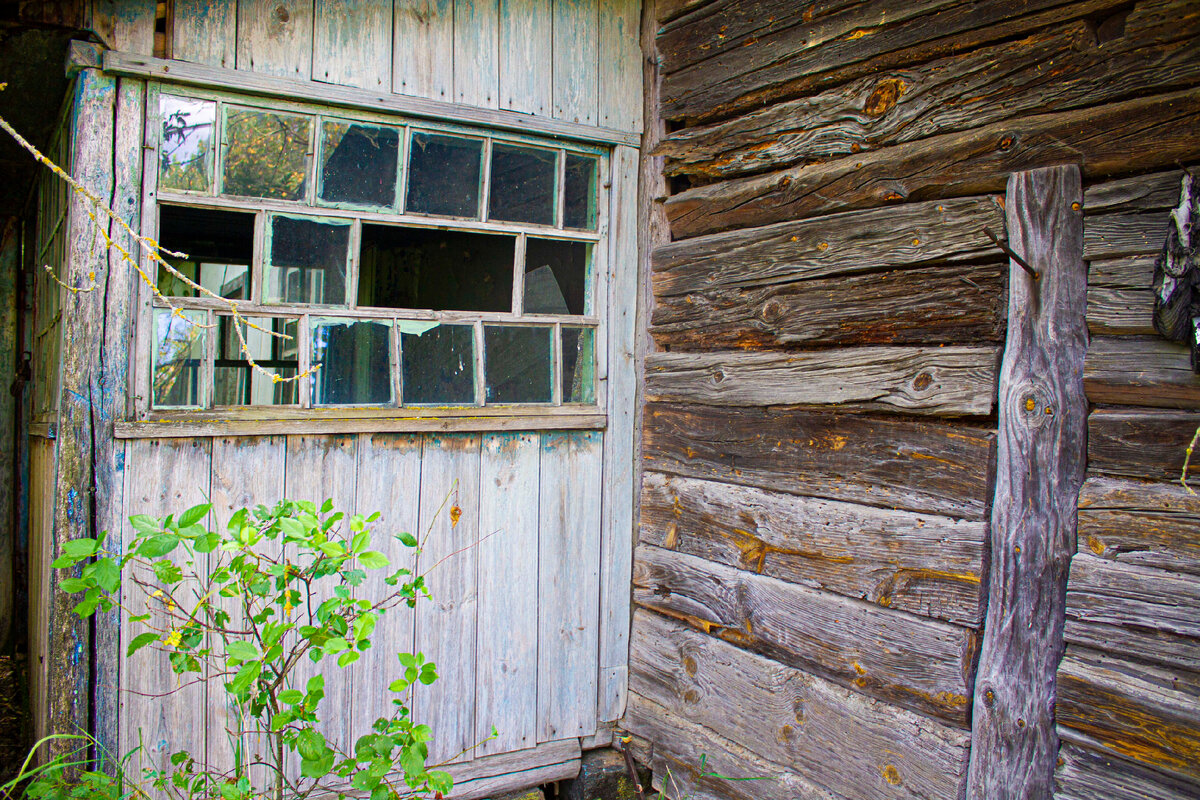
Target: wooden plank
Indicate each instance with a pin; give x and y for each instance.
(1135, 711)
(620, 65)
(532, 757)
(951, 164)
(858, 747)
(10, 471)
(275, 37)
(665, 10)
(1155, 191)
(922, 563)
(352, 43)
(1146, 444)
(1143, 524)
(1041, 452)
(41, 553)
(446, 625)
(939, 381)
(1118, 235)
(1120, 300)
(182, 426)
(477, 53)
(205, 32)
(519, 781)
(1140, 371)
(125, 25)
(507, 631)
(576, 61)
(891, 462)
(569, 577)
(1084, 774)
(526, 60)
(423, 48)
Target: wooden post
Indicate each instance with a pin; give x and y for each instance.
(1040, 465)
(10, 269)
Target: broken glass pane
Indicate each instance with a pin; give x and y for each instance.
(438, 363)
(266, 154)
(579, 192)
(307, 261)
(443, 175)
(522, 184)
(178, 358)
(219, 246)
(236, 383)
(355, 359)
(186, 149)
(578, 365)
(517, 364)
(358, 163)
(556, 276)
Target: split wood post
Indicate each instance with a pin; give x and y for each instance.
(1040, 466)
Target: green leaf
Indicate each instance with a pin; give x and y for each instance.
(373, 559)
(241, 650)
(73, 585)
(167, 572)
(440, 782)
(327, 506)
(291, 696)
(140, 641)
(310, 744)
(315, 684)
(158, 546)
(245, 676)
(293, 527)
(106, 573)
(336, 645)
(360, 542)
(79, 548)
(407, 538)
(207, 543)
(280, 720)
(364, 626)
(145, 524)
(348, 657)
(194, 515)
(331, 549)
(398, 685)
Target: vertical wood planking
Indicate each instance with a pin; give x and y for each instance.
(575, 61)
(506, 641)
(445, 629)
(352, 43)
(41, 532)
(1039, 469)
(125, 25)
(205, 32)
(620, 66)
(476, 53)
(423, 48)
(389, 481)
(526, 56)
(275, 37)
(568, 583)
(10, 269)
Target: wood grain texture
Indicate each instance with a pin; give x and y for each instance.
(1147, 443)
(275, 37)
(576, 60)
(526, 56)
(125, 25)
(860, 748)
(10, 460)
(1140, 371)
(205, 32)
(889, 462)
(423, 48)
(1120, 300)
(1084, 774)
(846, 641)
(620, 65)
(1154, 191)
(1139, 523)
(938, 381)
(476, 53)
(1127, 234)
(41, 553)
(1041, 452)
(922, 563)
(352, 43)
(950, 165)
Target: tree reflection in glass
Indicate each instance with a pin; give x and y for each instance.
(266, 154)
(185, 151)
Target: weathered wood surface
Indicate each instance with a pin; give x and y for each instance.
(10, 471)
(1147, 444)
(526, 56)
(917, 234)
(1136, 711)
(1041, 453)
(1140, 371)
(978, 87)
(858, 747)
(923, 563)
(205, 32)
(423, 47)
(125, 25)
(620, 60)
(476, 54)
(846, 641)
(1085, 774)
(41, 553)
(1155, 191)
(1120, 300)
(1142, 524)
(950, 165)
(576, 87)
(909, 464)
(961, 304)
(352, 43)
(275, 37)
(1118, 235)
(939, 381)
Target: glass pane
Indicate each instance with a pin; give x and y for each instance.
(358, 164)
(186, 150)
(522, 181)
(236, 383)
(438, 270)
(556, 276)
(307, 261)
(355, 359)
(266, 154)
(438, 363)
(219, 246)
(517, 364)
(579, 192)
(178, 358)
(443, 175)
(578, 365)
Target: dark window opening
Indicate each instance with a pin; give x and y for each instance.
(438, 363)
(579, 192)
(556, 276)
(355, 362)
(522, 185)
(308, 261)
(219, 246)
(444, 175)
(359, 164)
(517, 364)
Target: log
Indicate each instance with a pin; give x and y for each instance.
(1142, 524)
(922, 563)
(1156, 191)
(1041, 450)
(941, 381)
(1118, 235)
(854, 746)
(1084, 774)
(1140, 134)
(858, 645)
(894, 463)
(1120, 300)
(1146, 444)
(1141, 371)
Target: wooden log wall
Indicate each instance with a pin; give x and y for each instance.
(827, 318)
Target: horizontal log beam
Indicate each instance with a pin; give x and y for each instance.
(1142, 524)
(1085, 774)
(1128, 234)
(1154, 191)
(1148, 444)
(1120, 300)
(1140, 371)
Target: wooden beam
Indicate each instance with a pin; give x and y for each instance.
(1143, 524)
(1085, 774)
(10, 470)
(1155, 191)
(1039, 469)
(1141, 371)
(1125, 234)
(177, 427)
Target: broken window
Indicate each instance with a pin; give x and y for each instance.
(266, 154)
(522, 184)
(438, 363)
(186, 149)
(308, 260)
(219, 246)
(353, 361)
(178, 358)
(358, 163)
(272, 343)
(444, 175)
(517, 363)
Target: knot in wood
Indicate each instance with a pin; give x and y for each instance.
(1030, 406)
(989, 698)
(884, 97)
(718, 376)
(922, 381)
(772, 311)
(282, 14)
(1006, 142)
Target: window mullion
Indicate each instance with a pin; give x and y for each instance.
(518, 303)
(560, 188)
(485, 178)
(480, 381)
(304, 351)
(556, 365)
(352, 266)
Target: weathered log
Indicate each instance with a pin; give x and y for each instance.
(858, 747)
(1140, 371)
(666, 10)
(1120, 300)
(1140, 134)
(1041, 449)
(1084, 774)
(942, 381)
(1141, 444)
(1128, 234)
(894, 463)
(858, 645)
(922, 563)
(1144, 524)
(1156, 191)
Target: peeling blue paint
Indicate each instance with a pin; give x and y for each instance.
(77, 396)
